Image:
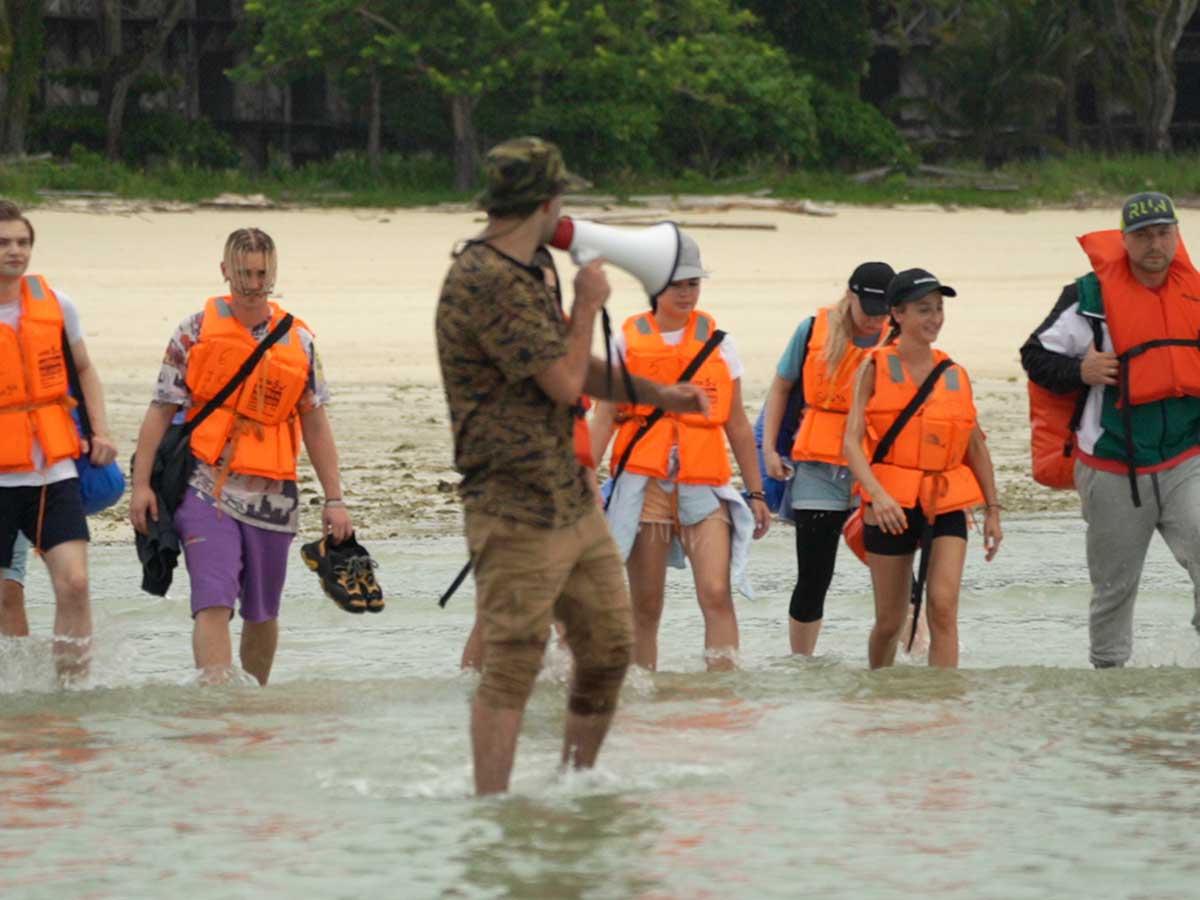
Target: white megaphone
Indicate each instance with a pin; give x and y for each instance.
(648, 254)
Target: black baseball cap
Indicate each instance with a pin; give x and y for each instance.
(913, 284)
(869, 281)
(1147, 208)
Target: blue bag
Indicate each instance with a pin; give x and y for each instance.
(100, 486)
(775, 489)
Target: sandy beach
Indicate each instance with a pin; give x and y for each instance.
(367, 282)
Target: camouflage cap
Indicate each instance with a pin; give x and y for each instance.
(524, 171)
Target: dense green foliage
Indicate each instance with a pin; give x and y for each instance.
(677, 92)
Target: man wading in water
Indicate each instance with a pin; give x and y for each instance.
(1123, 339)
(241, 508)
(513, 369)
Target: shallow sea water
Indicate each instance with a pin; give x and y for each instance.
(1024, 774)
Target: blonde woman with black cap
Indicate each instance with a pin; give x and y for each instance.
(673, 497)
(926, 462)
(814, 380)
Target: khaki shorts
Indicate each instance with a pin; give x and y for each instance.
(659, 520)
(526, 576)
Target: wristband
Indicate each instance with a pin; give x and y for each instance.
(757, 495)
(335, 501)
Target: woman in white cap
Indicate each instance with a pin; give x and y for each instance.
(804, 422)
(925, 463)
(672, 495)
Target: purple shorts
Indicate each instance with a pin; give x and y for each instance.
(228, 560)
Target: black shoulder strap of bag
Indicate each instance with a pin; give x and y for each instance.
(241, 374)
(85, 423)
(922, 394)
(704, 353)
(714, 340)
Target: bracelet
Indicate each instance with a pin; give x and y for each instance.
(994, 506)
(334, 501)
(757, 495)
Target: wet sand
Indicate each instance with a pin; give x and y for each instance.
(367, 281)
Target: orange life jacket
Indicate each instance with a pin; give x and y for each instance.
(701, 442)
(1052, 423)
(926, 463)
(826, 397)
(35, 402)
(583, 434)
(1138, 316)
(260, 417)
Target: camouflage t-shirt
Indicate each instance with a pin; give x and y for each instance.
(498, 325)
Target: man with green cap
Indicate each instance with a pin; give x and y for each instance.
(1125, 339)
(514, 368)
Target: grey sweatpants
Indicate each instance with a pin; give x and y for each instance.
(1118, 535)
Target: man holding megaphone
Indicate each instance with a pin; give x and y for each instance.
(513, 371)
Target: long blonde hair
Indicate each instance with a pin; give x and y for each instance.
(840, 334)
(237, 245)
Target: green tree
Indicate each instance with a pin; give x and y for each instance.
(120, 64)
(460, 48)
(994, 77)
(829, 38)
(635, 84)
(1137, 44)
(342, 37)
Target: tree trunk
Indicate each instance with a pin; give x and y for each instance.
(1168, 29)
(121, 68)
(25, 68)
(466, 142)
(375, 126)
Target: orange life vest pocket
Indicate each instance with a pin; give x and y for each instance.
(821, 435)
(272, 392)
(56, 432)
(702, 456)
(16, 450)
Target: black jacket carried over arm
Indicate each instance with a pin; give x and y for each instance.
(1055, 372)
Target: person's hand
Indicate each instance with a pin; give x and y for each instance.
(776, 467)
(100, 450)
(591, 289)
(142, 503)
(335, 522)
(762, 516)
(992, 535)
(682, 398)
(1099, 368)
(888, 514)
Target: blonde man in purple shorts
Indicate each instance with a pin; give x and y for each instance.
(241, 509)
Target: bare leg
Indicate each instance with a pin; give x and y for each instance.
(708, 547)
(803, 635)
(582, 739)
(211, 646)
(67, 564)
(472, 655)
(891, 576)
(259, 640)
(647, 568)
(13, 622)
(494, 741)
(944, 581)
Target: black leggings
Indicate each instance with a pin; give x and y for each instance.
(817, 534)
